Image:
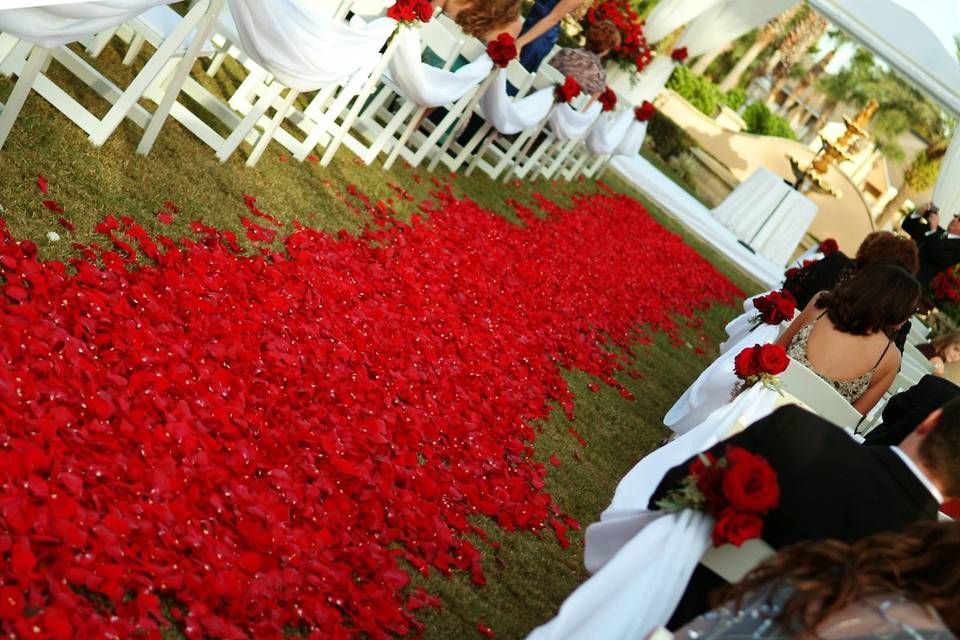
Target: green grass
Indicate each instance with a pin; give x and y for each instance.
(530, 575)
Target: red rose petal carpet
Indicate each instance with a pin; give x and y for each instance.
(261, 439)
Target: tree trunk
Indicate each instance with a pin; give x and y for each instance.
(889, 213)
(809, 79)
(733, 78)
(707, 59)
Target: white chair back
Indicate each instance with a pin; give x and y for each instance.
(813, 391)
(913, 356)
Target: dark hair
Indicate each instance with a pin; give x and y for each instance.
(940, 448)
(880, 297)
(883, 244)
(602, 36)
(922, 564)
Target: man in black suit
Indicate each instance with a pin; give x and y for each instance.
(939, 248)
(907, 409)
(833, 488)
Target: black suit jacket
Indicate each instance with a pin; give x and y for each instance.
(937, 251)
(907, 409)
(830, 488)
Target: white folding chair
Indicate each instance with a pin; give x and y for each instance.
(527, 162)
(171, 63)
(813, 391)
(919, 332)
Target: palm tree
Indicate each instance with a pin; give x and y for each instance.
(766, 36)
(803, 36)
(838, 39)
(840, 86)
(919, 176)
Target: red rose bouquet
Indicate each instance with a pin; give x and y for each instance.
(829, 246)
(760, 363)
(774, 308)
(411, 11)
(737, 489)
(502, 50)
(645, 111)
(567, 91)
(633, 49)
(608, 99)
(679, 55)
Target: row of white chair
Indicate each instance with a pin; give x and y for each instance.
(368, 111)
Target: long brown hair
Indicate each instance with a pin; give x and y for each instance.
(481, 18)
(880, 297)
(922, 564)
(943, 341)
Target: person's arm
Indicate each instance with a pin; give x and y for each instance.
(882, 378)
(548, 21)
(937, 363)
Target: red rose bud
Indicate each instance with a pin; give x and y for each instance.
(679, 55)
(645, 111)
(773, 359)
(829, 246)
(608, 99)
(749, 482)
(734, 527)
(502, 50)
(568, 90)
(747, 362)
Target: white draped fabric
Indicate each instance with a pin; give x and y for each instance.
(638, 591)
(54, 26)
(712, 388)
(641, 559)
(767, 214)
(302, 44)
(568, 124)
(946, 192)
(670, 15)
(691, 212)
(728, 21)
(509, 115)
(632, 141)
(609, 132)
(429, 86)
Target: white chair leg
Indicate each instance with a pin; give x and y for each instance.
(354, 112)
(248, 122)
(267, 135)
(479, 155)
(99, 42)
(7, 44)
(136, 45)
(150, 71)
(404, 137)
(38, 56)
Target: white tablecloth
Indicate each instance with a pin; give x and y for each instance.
(686, 209)
(767, 214)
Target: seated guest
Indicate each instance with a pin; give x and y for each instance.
(939, 248)
(483, 19)
(541, 30)
(941, 350)
(831, 487)
(586, 64)
(898, 586)
(845, 334)
(831, 270)
(905, 410)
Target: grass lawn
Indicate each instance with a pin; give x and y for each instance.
(530, 576)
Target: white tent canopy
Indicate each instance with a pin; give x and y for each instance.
(903, 40)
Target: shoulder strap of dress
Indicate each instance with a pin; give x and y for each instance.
(887, 348)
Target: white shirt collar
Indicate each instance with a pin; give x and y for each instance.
(921, 476)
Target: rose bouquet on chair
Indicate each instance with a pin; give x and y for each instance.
(411, 12)
(566, 92)
(773, 308)
(502, 50)
(760, 363)
(737, 489)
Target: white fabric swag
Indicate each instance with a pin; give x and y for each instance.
(670, 15)
(302, 44)
(946, 192)
(633, 139)
(568, 124)
(429, 86)
(508, 115)
(57, 25)
(609, 131)
(642, 560)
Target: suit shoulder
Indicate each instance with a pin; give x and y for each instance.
(794, 421)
